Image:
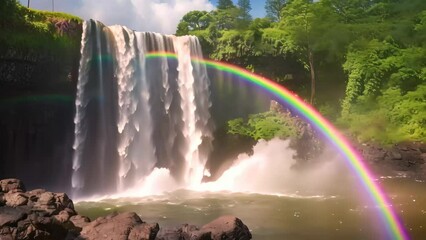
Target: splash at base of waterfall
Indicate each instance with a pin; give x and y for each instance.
(269, 170)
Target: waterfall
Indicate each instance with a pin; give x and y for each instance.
(135, 114)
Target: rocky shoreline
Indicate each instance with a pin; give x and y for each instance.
(403, 159)
(42, 215)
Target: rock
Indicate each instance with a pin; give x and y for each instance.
(7, 233)
(52, 203)
(10, 216)
(28, 230)
(223, 228)
(227, 228)
(16, 199)
(166, 233)
(117, 227)
(144, 231)
(2, 199)
(47, 227)
(193, 232)
(46, 198)
(7, 185)
(80, 221)
(395, 155)
(64, 200)
(34, 195)
(62, 217)
(423, 156)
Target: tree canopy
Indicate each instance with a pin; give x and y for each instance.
(225, 4)
(273, 9)
(352, 59)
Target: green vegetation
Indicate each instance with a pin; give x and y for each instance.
(265, 125)
(24, 28)
(361, 62)
(47, 42)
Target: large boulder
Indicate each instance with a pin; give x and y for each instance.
(227, 228)
(51, 203)
(144, 231)
(119, 227)
(10, 184)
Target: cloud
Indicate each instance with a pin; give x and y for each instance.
(142, 15)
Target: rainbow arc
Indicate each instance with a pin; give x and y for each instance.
(354, 160)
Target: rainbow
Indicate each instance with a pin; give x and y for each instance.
(391, 221)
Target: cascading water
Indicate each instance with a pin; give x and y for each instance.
(133, 115)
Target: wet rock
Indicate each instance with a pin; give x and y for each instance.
(227, 228)
(395, 155)
(34, 195)
(46, 198)
(119, 227)
(30, 230)
(2, 199)
(186, 232)
(47, 227)
(223, 228)
(16, 199)
(62, 217)
(390, 161)
(80, 221)
(7, 185)
(193, 232)
(7, 233)
(144, 231)
(10, 216)
(51, 203)
(64, 200)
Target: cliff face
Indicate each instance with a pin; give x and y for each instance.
(36, 134)
(39, 55)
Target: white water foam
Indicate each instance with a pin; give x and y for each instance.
(270, 170)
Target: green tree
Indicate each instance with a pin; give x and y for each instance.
(297, 22)
(182, 29)
(273, 9)
(351, 10)
(313, 34)
(265, 125)
(193, 21)
(225, 4)
(226, 19)
(245, 7)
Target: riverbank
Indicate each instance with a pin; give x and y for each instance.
(399, 160)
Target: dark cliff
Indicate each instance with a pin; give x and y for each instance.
(39, 56)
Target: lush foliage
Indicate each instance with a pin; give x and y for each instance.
(50, 42)
(273, 8)
(361, 62)
(265, 125)
(25, 28)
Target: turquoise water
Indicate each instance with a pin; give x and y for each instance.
(279, 217)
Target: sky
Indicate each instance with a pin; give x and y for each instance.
(142, 15)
